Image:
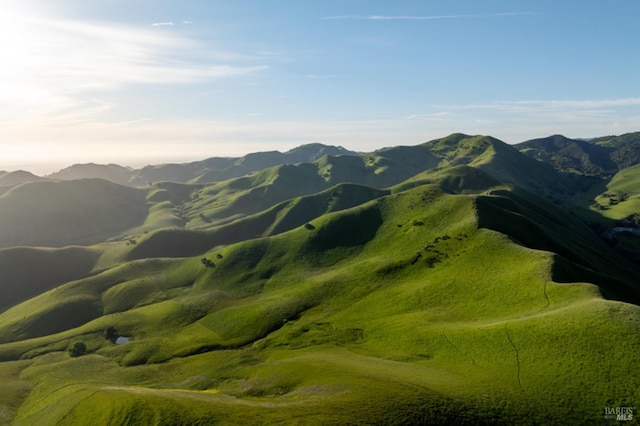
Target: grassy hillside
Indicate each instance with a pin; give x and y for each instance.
(393, 312)
(280, 218)
(621, 197)
(64, 213)
(218, 169)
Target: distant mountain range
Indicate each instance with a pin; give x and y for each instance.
(210, 170)
(602, 156)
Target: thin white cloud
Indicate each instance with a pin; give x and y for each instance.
(423, 18)
(432, 116)
(528, 106)
(187, 22)
(516, 121)
(59, 67)
(320, 77)
(163, 24)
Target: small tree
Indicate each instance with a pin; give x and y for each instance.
(78, 348)
(111, 334)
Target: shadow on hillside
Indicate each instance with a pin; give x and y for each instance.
(351, 229)
(580, 254)
(28, 271)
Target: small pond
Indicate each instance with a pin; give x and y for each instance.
(121, 340)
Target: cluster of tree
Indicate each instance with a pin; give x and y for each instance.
(207, 262)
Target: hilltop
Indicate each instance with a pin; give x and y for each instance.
(462, 280)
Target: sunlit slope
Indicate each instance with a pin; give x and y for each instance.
(218, 169)
(64, 213)
(282, 217)
(452, 180)
(402, 310)
(621, 198)
(505, 164)
(261, 190)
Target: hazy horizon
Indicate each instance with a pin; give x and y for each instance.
(145, 82)
(45, 167)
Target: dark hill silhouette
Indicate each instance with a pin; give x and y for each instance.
(111, 172)
(626, 148)
(571, 155)
(17, 177)
(57, 214)
(27, 271)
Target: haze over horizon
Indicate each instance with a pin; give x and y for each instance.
(143, 82)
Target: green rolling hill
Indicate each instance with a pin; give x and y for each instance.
(456, 282)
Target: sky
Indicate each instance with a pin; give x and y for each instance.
(139, 82)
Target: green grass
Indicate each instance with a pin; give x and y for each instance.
(621, 198)
(446, 301)
(13, 390)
